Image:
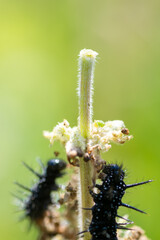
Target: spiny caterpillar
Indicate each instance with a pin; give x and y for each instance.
(103, 225)
(39, 201)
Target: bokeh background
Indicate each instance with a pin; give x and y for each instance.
(39, 45)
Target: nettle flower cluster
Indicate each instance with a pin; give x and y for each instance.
(101, 136)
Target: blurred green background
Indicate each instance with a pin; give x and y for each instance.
(39, 44)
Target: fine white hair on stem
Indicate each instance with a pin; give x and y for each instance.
(87, 59)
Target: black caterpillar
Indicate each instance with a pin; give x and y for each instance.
(103, 225)
(40, 194)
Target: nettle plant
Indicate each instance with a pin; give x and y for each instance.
(88, 210)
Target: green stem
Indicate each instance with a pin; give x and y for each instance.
(86, 70)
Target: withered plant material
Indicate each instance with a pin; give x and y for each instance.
(136, 234)
(69, 200)
(51, 223)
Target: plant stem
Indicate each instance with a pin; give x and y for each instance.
(86, 70)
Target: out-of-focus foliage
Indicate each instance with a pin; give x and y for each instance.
(39, 44)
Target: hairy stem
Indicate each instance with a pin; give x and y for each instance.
(86, 70)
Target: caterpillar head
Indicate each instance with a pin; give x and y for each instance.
(55, 165)
(115, 172)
